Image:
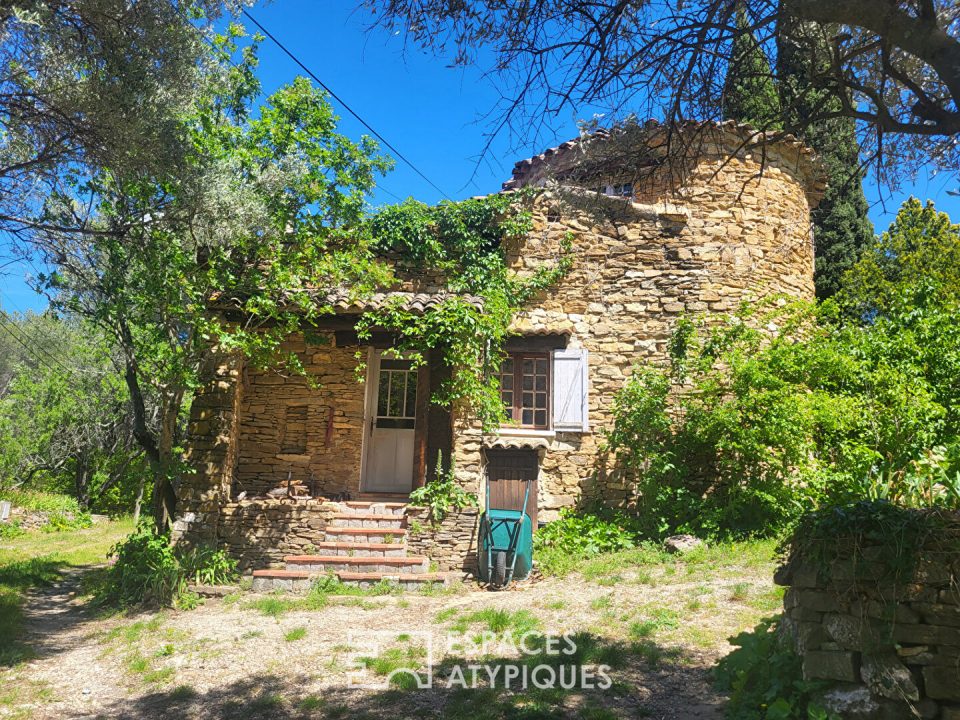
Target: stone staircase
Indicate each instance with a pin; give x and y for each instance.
(364, 544)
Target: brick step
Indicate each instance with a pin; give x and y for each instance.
(335, 563)
(366, 520)
(299, 581)
(369, 507)
(363, 549)
(291, 580)
(380, 497)
(407, 581)
(363, 534)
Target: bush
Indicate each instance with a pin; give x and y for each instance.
(786, 407)
(560, 545)
(764, 678)
(37, 501)
(442, 494)
(10, 530)
(149, 571)
(60, 522)
(146, 571)
(209, 566)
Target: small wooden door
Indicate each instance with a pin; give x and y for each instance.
(392, 427)
(507, 470)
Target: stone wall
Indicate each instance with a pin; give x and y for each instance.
(451, 544)
(888, 646)
(211, 449)
(260, 532)
(729, 233)
(315, 433)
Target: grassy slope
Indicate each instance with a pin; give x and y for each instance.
(36, 559)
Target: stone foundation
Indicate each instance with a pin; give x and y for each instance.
(888, 648)
(451, 545)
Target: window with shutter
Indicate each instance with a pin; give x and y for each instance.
(570, 387)
(525, 389)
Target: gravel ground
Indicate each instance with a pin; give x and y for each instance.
(662, 631)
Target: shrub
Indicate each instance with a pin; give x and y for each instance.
(10, 530)
(587, 534)
(764, 678)
(442, 494)
(38, 501)
(209, 566)
(149, 571)
(786, 407)
(146, 571)
(60, 522)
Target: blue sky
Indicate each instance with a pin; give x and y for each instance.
(432, 113)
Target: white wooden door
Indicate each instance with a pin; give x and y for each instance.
(393, 399)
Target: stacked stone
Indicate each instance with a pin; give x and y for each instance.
(728, 233)
(889, 650)
(451, 544)
(211, 449)
(325, 453)
(259, 533)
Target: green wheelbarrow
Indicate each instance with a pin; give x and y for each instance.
(505, 542)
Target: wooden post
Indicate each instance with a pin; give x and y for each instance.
(420, 458)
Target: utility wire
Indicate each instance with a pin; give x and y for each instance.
(340, 100)
(379, 186)
(9, 330)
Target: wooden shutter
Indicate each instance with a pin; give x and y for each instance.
(570, 383)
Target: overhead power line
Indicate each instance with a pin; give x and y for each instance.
(9, 330)
(379, 186)
(346, 107)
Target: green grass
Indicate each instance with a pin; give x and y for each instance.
(311, 702)
(297, 633)
(399, 663)
(498, 621)
(325, 590)
(37, 501)
(35, 560)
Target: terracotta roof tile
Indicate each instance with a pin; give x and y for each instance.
(564, 156)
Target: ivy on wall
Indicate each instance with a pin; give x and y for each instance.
(462, 244)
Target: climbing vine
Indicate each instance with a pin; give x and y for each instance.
(462, 244)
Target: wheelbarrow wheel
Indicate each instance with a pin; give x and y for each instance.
(500, 568)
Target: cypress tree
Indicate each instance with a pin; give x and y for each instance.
(749, 93)
(841, 227)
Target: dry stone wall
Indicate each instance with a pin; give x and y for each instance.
(260, 532)
(887, 649)
(730, 233)
(313, 433)
(211, 449)
(450, 544)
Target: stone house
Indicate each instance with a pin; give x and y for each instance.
(648, 244)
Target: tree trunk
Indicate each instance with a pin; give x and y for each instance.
(164, 495)
(158, 451)
(139, 501)
(81, 481)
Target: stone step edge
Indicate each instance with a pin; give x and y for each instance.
(368, 503)
(347, 530)
(345, 545)
(366, 516)
(348, 559)
(350, 576)
(283, 574)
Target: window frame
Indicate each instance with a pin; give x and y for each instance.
(516, 410)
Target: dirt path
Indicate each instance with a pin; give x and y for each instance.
(229, 660)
